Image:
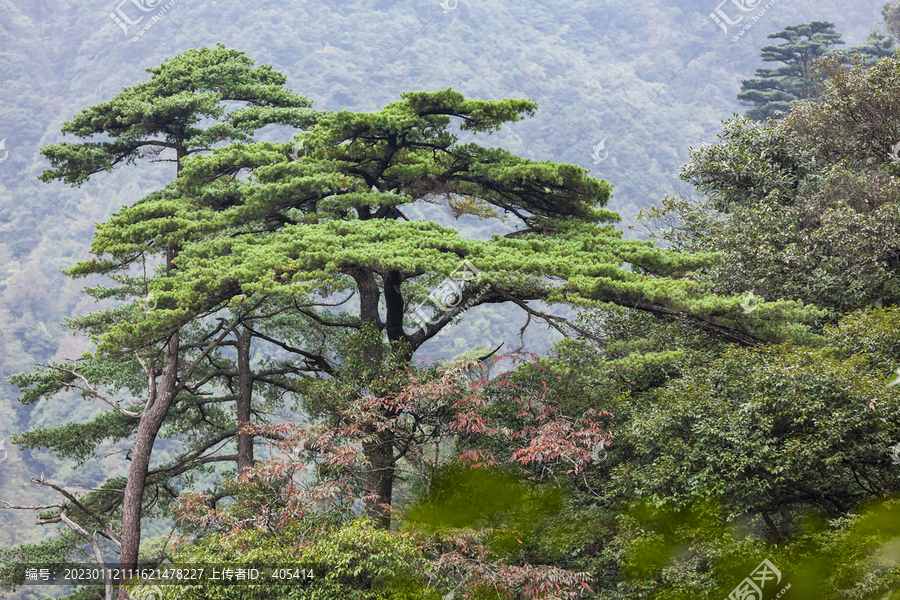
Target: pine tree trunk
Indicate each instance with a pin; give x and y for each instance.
(380, 478)
(380, 451)
(244, 401)
(151, 420)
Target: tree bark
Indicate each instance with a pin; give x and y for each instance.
(379, 452)
(152, 419)
(380, 478)
(245, 399)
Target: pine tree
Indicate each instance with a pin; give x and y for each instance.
(328, 227)
(775, 89)
(158, 119)
(877, 45)
(257, 226)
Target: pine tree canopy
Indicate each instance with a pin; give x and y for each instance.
(263, 219)
(164, 113)
(775, 89)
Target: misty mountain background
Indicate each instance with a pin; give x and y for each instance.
(650, 78)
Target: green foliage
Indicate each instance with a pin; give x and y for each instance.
(689, 424)
(853, 124)
(459, 497)
(770, 452)
(876, 47)
(356, 560)
(749, 161)
(181, 93)
(870, 335)
(805, 208)
(13, 560)
(191, 103)
(78, 441)
(675, 554)
(767, 429)
(891, 14)
(341, 203)
(775, 89)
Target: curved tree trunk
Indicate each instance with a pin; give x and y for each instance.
(152, 419)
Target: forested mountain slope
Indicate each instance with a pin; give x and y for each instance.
(651, 79)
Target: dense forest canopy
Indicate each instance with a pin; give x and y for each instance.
(418, 304)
